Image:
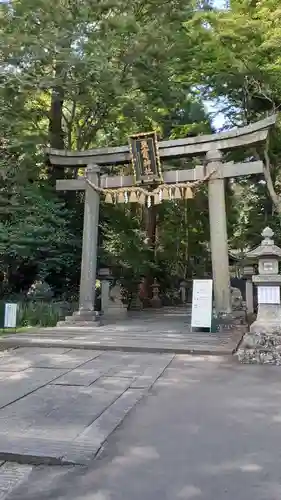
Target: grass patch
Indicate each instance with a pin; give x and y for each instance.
(38, 314)
(21, 329)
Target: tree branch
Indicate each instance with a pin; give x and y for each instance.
(276, 200)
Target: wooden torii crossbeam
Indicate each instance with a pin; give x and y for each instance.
(213, 146)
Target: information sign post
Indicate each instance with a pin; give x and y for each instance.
(202, 304)
(10, 317)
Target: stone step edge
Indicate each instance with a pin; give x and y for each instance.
(223, 351)
(31, 457)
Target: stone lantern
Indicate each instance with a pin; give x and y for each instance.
(155, 301)
(248, 271)
(183, 286)
(263, 343)
(104, 275)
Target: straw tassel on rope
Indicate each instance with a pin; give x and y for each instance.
(177, 193)
(188, 193)
(108, 198)
(133, 197)
(138, 194)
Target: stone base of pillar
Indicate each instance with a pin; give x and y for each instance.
(268, 319)
(82, 317)
(262, 345)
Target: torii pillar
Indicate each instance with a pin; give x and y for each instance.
(218, 232)
(90, 245)
(86, 313)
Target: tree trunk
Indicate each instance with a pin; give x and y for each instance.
(150, 223)
(186, 251)
(56, 134)
(276, 200)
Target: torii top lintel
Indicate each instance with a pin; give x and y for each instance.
(250, 134)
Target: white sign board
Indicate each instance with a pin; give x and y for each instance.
(268, 294)
(202, 304)
(10, 319)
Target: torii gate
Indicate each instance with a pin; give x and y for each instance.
(213, 146)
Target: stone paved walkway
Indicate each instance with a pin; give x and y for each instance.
(208, 429)
(162, 331)
(58, 406)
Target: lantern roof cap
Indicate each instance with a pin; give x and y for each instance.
(267, 247)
